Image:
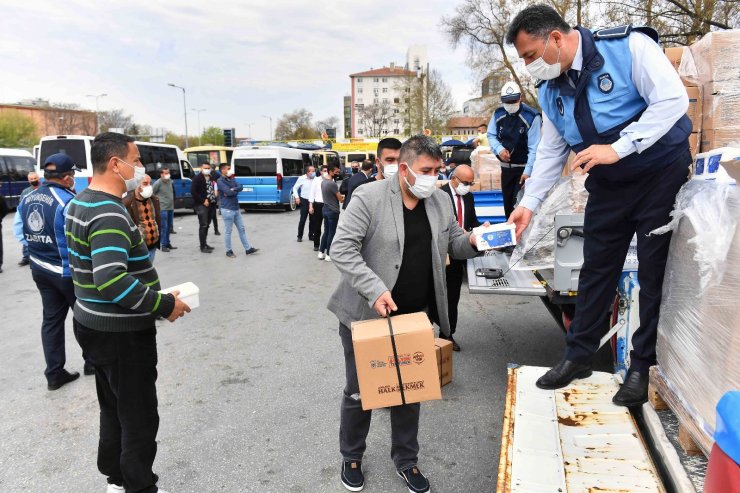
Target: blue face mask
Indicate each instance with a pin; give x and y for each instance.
(312, 174)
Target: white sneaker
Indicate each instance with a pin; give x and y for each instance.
(328, 259)
(321, 255)
(114, 488)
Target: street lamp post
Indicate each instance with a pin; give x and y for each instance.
(97, 108)
(185, 111)
(265, 116)
(200, 133)
(250, 130)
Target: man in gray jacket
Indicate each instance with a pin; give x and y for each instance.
(390, 248)
(165, 192)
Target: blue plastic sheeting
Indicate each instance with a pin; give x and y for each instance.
(727, 431)
(489, 206)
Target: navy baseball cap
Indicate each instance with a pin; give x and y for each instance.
(61, 162)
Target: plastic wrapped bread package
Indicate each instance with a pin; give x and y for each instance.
(536, 248)
(698, 343)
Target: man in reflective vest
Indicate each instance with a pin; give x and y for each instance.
(513, 133)
(612, 97)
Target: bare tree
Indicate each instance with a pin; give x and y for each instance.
(114, 119)
(296, 126)
(482, 26)
(375, 119)
(64, 118)
(426, 102)
(679, 22)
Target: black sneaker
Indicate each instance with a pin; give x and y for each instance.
(24, 262)
(416, 482)
(352, 477)
(230, 254)
(300, 240)
(173, 232)
(206, 250)
(172, 247)
(252, 250)
(165, 249)
(217, 233)
(209, 247)
(89, 369)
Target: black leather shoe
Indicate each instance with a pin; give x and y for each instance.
(634, 390)
(206, 250)
(173, 232)
(217, 233)
(455, 345)
(563, 373)
(300, 240)
(24, 262)
(63, 379)
(252, 250)
(165, 249)
(172, 247)
(89, 369)
(209, 247)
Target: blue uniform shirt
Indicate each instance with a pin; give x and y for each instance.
(626, 95)
(42, 212)
(507, 131)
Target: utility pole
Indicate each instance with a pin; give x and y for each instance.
(200, 132)
(185, 111)
(97, 108)
(265, 116)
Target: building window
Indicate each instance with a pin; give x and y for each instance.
(359, 79)
(395, 111)
(385, 79)
(396, 121)
(375, 79)
(359, 90)
(395, 131)
(359, 131)
(376, 101)
(385, 89)
(385, 100)
(396, 100)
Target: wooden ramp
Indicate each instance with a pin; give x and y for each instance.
(571, 440)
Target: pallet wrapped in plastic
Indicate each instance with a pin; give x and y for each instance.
(698, 344)
(536, 248)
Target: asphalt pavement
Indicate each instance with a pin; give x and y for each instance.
(250, 382)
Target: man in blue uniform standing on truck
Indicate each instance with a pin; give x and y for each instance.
(613, 98)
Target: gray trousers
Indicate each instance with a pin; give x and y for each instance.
(355, 423)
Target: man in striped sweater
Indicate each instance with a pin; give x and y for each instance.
(118, 300)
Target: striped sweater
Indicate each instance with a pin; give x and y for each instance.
(117, 287)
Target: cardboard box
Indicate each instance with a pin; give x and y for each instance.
(721, 105)
(717, 56)
(674, 55)
(376, 363)
(695, 107)
(444, 360)
(694, 144)
(719, 137)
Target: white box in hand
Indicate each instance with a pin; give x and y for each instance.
(189, 293)
(495, 236)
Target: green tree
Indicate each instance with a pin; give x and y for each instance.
(212, 136)
(17, 130)
(174, 139)
(296, 126)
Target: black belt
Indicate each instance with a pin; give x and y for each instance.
(512, 165)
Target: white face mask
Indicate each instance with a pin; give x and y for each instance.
(462, 189)
(389, 170)
(146, 191)
(206, 171)
(230, 173)
(511, 108)
(133, 183)
(540, 69)
(325, 175)
(424, 185)
(166, 177)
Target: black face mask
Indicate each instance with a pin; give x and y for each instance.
(34, 183)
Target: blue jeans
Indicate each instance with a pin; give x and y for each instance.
(234, 218)
(167, 219)
(152, 253)
(331, 219)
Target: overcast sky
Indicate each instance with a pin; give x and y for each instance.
(237, 59)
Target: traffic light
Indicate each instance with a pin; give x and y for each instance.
(229, 137)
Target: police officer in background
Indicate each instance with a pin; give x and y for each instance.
(612, 97)
(42, 212)
(513, 134)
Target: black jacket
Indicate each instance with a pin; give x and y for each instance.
(354, 181)
(470, 220)
(198, 189)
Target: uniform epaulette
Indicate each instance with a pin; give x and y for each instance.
(539, 83)
(623, 31)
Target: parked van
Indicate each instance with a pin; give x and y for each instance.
(215, 155)
(268, 174)
(14, 168)
(154, 156)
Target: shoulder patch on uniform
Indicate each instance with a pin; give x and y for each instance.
(606, 84)
(539, 83)
(613, 32)
(561, 107)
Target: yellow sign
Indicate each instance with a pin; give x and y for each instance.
(354, 146)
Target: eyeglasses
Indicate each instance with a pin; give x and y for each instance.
(466, 183)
